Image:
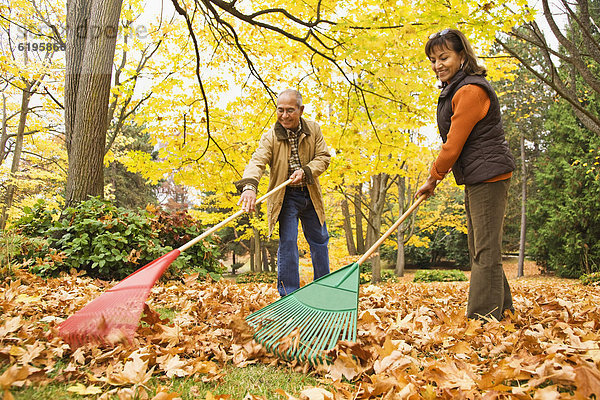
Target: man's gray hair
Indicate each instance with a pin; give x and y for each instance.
(292, 92)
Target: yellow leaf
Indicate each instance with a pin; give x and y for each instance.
(83, 390)
(24, 298)
(16, 351)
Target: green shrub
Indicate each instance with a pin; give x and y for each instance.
(590, 279)
(439, 275)
(107, 242)
(257, 277)
(445, 245)
(10, 245)
(366, 274)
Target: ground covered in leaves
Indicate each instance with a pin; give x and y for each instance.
(413, 342)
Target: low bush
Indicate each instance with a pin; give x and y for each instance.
(10, 245)
(257, 277)
(590, 279)
(108, 242)
(366, 274)
(439, 275)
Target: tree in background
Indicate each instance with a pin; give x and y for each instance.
(29, 70)
(92, 29)
(30, 28)
(363, 74)
(125, 188)
(525, 103)
(565, 211)
(577, 57)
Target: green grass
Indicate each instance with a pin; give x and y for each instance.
(166, 313)
(260, 380)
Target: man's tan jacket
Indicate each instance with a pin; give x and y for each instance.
(274, 150)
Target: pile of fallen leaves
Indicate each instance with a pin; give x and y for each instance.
(413, 341)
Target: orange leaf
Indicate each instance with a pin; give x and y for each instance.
(588, 381)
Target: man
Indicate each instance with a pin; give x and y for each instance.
(294, 148)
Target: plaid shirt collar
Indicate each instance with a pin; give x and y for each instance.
(282, 133)
(294, 134)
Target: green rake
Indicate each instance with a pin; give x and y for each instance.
(311, 320)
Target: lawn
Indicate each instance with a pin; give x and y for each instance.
(413, 342)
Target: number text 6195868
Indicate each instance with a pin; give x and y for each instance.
(42, 46)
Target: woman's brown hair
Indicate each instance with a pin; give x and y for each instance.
(455, 40)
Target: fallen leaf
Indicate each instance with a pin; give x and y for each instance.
(10, 325)
(14, 374)
(587, 381)
(316, 393)
(164, 395)
(83, 390)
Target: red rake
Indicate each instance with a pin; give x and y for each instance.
(116, 313)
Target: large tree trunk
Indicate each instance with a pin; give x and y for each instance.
(400, 259)
(523, 208)
(10, 190)
(78, 15)
(378, 190)
(358, 217)
(348, 228)
(87, 91)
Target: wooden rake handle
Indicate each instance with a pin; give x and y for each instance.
(231, 218)
(392, 229)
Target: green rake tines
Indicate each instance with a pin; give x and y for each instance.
(314, 317)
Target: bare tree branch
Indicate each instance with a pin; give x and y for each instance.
(561, 68)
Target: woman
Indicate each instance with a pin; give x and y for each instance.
(475, 149)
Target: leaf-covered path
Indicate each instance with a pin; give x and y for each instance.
(414, 340)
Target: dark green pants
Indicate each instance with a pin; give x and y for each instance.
(489, 293)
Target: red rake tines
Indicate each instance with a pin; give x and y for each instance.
(116, 313)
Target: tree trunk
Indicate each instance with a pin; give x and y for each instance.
(273, 259)
(377, 192)
(4, 136)
(10, 190)
(265, 259)
(87, 91)
(523, 208)
(252, 266)
(257, 251)
(360, 239)
(348, 228)
(400, 259)
(78, 15)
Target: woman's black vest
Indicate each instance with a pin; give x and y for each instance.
(485, 154)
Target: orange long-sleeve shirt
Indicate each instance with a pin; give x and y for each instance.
(470, 105)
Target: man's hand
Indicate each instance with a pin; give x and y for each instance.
(248, 200)
(297, 176)
(427, 188)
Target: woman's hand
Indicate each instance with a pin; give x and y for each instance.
(427, 188)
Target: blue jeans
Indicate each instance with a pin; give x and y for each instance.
(297, 205)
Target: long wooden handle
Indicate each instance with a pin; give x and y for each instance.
(392, 229)
(231, 218)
